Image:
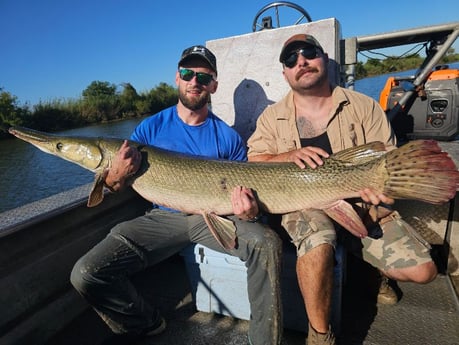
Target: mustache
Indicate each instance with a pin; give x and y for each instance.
(303, 71)
(195, 89)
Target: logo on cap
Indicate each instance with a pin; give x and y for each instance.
(202, 52)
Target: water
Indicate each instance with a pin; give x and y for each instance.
(373, 86)
(28, 174)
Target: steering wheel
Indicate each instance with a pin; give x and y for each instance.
(266, 22)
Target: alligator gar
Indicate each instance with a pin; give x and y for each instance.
(419, 170)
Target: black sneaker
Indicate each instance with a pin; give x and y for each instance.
(158, 328)
(132, 338)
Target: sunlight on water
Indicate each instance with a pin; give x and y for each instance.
(28, 174)
(372, 86)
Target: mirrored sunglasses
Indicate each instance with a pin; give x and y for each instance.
(202, 78)
(309, 53)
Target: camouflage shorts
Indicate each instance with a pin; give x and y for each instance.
(399, 247)
(309, 229)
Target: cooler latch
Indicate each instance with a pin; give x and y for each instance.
(201, 254)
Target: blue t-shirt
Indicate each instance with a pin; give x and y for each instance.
(213, 138)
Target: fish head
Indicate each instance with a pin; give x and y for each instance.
(86, 152)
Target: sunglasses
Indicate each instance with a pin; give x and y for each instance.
(309, 53)
(202, 78)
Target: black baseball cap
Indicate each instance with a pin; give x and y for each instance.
(296, 40)
(201, 52)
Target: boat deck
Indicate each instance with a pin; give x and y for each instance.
(426, 314)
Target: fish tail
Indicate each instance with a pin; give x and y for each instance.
(420, 170)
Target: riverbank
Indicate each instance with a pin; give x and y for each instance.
(35, 175)
(376, 67)
(4, 134)
(100, 103)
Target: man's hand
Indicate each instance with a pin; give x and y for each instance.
(378, 207)
(244, 203)
(370, 197)
(309, 155)
(125, 163)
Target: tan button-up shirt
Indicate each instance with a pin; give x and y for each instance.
(355, 119)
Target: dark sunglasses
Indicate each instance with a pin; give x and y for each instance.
(202, 78)
(309, 53)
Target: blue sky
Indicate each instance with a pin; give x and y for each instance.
(53, 49)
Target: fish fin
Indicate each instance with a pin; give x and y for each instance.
(97, 192)
(343, 213)
(222, 228)
(420, 170)
(361, 154)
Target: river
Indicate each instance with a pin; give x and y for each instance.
(28, 174)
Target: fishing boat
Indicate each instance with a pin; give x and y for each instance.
(200, 293)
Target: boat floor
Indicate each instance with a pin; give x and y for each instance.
(426, 314)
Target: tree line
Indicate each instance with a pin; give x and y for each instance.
(101, 102)
(374, 67)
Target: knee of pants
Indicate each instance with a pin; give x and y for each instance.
(77, 276)
(257, 240)
(83, 276)
(266, 239)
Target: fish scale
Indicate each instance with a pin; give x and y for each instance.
(280, 188)
(418, 170)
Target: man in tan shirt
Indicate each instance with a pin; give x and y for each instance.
(315, 119)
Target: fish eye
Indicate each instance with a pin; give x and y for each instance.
(59, 146)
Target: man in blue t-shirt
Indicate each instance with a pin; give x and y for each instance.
(102, 275)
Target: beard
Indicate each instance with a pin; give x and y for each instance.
(194, 103)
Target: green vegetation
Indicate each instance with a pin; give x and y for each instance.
(100, 102)
(373, 67)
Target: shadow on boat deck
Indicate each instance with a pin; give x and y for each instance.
(426, 314)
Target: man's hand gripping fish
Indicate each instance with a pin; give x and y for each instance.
(418, 170)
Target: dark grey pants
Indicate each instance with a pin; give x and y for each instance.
(102, 275)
